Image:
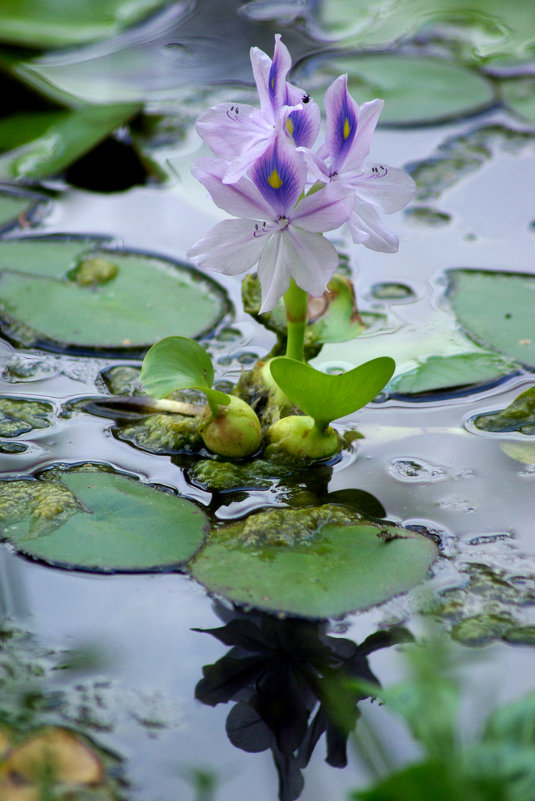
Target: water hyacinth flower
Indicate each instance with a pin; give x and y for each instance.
(276, 227)
(242, 133)
(283, 195)
(348, 133)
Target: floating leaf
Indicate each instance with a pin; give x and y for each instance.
(523, 452)
(496, 309)
(20, 208)
(518, 416)
(53, 291)
(314, 563)
(519, 94)
(38, 144)
(328, 397)
(62, 22)
(416, 89)
(98, 520)
(449, 372)
(179, 363)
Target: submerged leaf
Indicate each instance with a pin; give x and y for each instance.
(518, 416)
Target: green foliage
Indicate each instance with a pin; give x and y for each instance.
(38, 144)
(447, 372)
(328, 397)
(179, 363)
(499, 765)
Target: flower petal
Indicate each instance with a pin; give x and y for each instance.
(367, 229)
(301, 123)
(341, 118)
(324, 210)
(280, 175)
(368, 117)
(270, 76)
(273, 272)
(227, 128)
(388, 187)
(230, 247)
(312, 259)
(242, 199)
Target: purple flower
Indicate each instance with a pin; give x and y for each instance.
(275, 227)
(241, 133)
(374, 187)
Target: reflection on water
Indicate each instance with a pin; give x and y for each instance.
(291, 683)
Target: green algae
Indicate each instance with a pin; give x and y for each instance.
(162, 433)
(94, 272)
(42, 502)
(518, 416)
(225, 476)
(289, 527)
(19, 416)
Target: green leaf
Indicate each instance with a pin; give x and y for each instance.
(504, 321)
(62, 22)
(513, 722)
(447, 372)
(315, 562)
(518, 416)
(328, 397)
(72, 293)
(99, 521)
(416, 89)
(179, 363)
(519, 94)
(422, 782)
(18, 416)
(44, 143)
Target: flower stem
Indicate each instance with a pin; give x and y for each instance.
(296, 303)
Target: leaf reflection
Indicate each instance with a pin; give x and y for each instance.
(289, 680)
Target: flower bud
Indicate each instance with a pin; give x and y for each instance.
(299, 436)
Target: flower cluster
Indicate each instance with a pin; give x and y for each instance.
(283, 194)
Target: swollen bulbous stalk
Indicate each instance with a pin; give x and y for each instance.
(299, 436)
(234, 431)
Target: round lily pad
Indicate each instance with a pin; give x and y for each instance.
(416, 89)
(73, 294)
(18, 207)
(315, 562)
(90, 519)
(504, 321)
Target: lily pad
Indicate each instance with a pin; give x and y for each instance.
(57, 23)
(20, 208)
(519, 94)
(416, 89)
(97, 520)
(18, 416)
(53, 289)
(518, 416)
(504, 321)
(449, 372)
(312, 563)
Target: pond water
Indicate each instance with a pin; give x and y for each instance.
(120, 657)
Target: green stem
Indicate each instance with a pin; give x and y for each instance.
(296, 303)
(214, 407)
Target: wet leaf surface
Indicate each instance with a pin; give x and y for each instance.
(312, 562)
(52, 289)
(505, 321)
(100, 521)
(19, 416)
(518, 416)
(449, 372)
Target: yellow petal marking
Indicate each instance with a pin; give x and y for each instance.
(289, 126)
(275, 180)
(347, 128)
